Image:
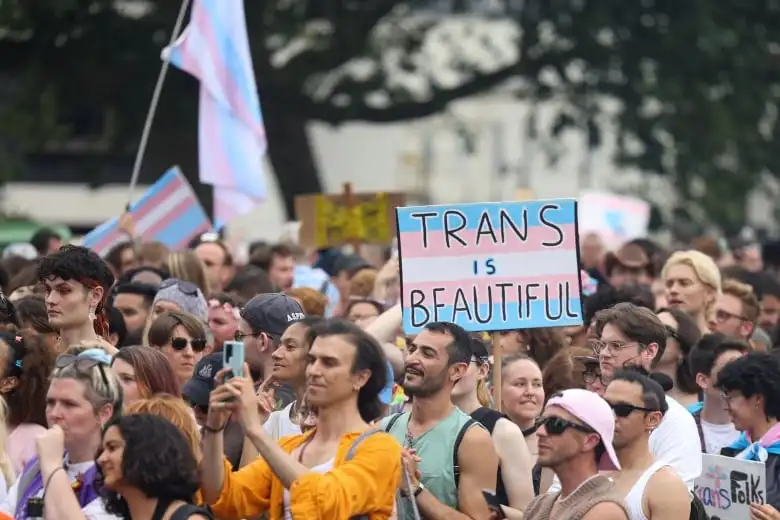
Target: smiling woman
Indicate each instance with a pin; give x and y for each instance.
(146, 464)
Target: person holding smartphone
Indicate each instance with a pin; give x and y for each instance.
(341, 468)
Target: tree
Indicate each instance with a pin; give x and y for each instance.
(104, 53)
(697, 84)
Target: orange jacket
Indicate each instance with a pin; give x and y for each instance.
(366, 484)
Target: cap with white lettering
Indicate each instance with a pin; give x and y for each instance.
(272, 313)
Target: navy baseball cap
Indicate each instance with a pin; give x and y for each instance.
(200, 385)
(272, 313)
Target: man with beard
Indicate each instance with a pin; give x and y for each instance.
(651, 488)
(450, 458)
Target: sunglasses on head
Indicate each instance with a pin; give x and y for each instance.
(626, 409)
(188, 288)
(557, 425)
(197, 344)
(83, 365)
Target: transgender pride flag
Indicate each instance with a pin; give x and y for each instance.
(490, 266)
(168, 212)
(215, 49)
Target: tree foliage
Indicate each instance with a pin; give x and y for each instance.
(697, 86)
(691, 87)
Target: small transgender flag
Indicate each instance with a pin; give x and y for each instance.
(214, 48)
(168, 212)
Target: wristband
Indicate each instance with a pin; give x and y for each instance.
(48, 480)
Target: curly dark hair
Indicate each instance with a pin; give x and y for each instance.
(756, 373)
(84, 266)
(157, 460)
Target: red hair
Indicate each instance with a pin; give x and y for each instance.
(100, 323)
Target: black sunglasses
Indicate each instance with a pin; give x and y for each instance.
(626, 409)
(188, 288)
(557, 425)
(83, 365)
(197, 344)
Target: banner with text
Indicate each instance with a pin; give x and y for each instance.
(728, 486)
(490, 266)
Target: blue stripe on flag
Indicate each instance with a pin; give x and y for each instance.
(183, 227)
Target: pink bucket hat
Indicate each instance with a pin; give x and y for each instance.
(595, 412)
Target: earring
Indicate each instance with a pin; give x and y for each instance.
(91, 313)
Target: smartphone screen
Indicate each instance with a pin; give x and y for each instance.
(233, 358)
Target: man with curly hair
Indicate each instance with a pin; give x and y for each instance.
(77, 283)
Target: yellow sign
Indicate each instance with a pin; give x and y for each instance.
(364, 222)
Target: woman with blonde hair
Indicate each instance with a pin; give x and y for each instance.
(6, 466)
(514, 487)
(692, 282)
(186, 266)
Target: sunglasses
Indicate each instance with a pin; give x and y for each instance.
(626, 409)
(188, 288)
(557, 425)
(83, 365)
(197, 344)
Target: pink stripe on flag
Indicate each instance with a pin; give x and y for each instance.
(201, 21)
(447, 295)
(411, 244)
(141, 212)
(215, 163)
(171, 216)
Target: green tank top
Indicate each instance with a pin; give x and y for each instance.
(436, 448)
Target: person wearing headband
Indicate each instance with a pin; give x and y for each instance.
(77, 283)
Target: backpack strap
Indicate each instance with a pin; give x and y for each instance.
(393, 419)
(324, 287)
(31, 471)
(455, 464)
(363, 436)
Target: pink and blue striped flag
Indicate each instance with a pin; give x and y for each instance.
(490, 266)
(214, 48)
(168, 212)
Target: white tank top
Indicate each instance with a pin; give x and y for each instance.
(322, 468)
(633, 500)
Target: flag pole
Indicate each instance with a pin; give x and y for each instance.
(166, 63)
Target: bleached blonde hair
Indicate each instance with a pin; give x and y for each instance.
(6, 467)
(703, 266)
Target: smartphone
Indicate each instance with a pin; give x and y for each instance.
(394, 250)
(233, 358)
(492, 502)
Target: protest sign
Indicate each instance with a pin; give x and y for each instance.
(346, 218)
(168, 212)
(728, 486)
(490, 266)
(616, 218)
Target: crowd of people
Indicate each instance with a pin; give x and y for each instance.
(117, 402)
